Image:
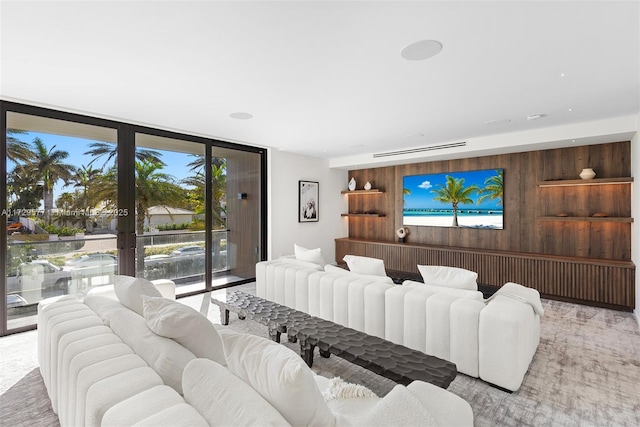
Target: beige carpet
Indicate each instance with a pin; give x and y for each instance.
(586, 372)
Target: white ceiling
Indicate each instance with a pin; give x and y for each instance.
(326, 78)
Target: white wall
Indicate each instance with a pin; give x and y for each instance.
(283, 228)
(635, 213)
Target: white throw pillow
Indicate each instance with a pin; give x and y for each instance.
(224, 399)
(365, 265)
(308, 255)
(166, 356)
(172, 319)
(465, 293)
(450, 277)
(129, 291)
(337, 270)
(280, 376)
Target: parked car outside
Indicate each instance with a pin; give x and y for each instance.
(93, 265)
(15, 300)
(39, 279)
(188, 250)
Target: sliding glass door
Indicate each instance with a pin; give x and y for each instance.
(170, 211)
(59, 211)
(236, 207)
(85, 199)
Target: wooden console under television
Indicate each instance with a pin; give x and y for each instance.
(602, 283)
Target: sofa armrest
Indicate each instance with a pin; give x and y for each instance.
(445, 407)
(509, 334)
(166, 287)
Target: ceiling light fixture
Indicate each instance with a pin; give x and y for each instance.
(241, 116)
(531, 117)
(423, 49)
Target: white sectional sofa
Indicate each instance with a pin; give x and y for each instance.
(493, 339)
(114, 357)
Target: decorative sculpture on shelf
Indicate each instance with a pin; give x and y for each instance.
(367, 186)
(402, 232)
(587, 173)
(352, 184)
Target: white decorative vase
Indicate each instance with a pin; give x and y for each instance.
(587, 173)
(367, 186)
(352, 184)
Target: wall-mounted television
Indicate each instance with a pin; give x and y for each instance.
(470, 199)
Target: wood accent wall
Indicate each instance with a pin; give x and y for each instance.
(578, 259)
(524, 203)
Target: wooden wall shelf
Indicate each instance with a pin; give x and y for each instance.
(595, 181)
(372, 191)
(585, 219)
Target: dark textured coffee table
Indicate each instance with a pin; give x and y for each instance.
(396, 362)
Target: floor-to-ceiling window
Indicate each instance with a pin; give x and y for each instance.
(86, 198)
(60, 228)
(170, 211)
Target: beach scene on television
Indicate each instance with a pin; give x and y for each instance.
(459, 199)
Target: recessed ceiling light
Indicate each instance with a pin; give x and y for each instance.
(562, 74)
(498, 122)
(423, 49)
(241, 116)
(570, 109)
(535, 116)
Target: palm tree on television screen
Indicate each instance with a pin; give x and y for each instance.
(493, 188)
(456, 193)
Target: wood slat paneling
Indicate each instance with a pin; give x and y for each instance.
(608, 283)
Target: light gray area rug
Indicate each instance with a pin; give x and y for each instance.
(586, 372)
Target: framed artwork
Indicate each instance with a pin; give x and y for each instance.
(308, 201)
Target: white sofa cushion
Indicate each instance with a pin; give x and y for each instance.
(103, 306)
(464, 293)
(523, 294)
(129, 291)
(224, 399)
(113, 389)
(308, 255)
(185, 325)
(365, 265)
(141, 406)
(181, 414)
(280, 376)
(293, 260)
(349, 273)
(451, 277)
(164, 355)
